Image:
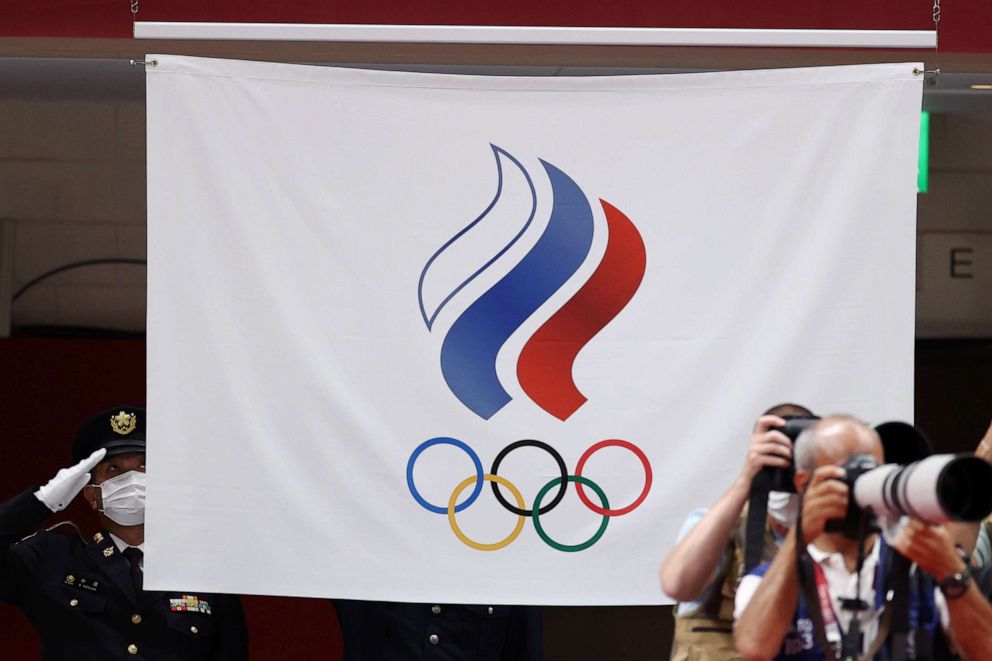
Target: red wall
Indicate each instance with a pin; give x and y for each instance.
(48, 387)
(965, 26)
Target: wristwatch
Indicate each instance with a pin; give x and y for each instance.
(956, 584)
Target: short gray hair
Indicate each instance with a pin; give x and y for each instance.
(807, 445)
(804, 451)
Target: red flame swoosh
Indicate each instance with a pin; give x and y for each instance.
(544, 368)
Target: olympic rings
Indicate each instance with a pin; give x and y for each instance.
(563, 547)
(561, 467)
(444, 440)
(462, 536)
(647, 477)
(521, 509)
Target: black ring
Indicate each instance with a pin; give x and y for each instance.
(561, 466)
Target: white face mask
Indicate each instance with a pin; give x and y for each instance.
(783, 507)
(124, 498)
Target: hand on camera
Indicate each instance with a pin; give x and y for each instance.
(768, 447)
(825, 498)
(930, 547)
(68, 482)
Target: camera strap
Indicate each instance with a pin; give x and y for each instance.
(815, 593)
(903, 583)
(817, 601)
(899, 606)
(754, 531)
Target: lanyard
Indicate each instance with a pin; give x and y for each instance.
(820, 605)
(831, 626)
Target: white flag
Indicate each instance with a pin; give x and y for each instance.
(471, 339)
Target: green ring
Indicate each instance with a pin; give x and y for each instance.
(537, 515)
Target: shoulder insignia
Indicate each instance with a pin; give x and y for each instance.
(57, 525)
(98, 538)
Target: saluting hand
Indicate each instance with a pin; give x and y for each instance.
(68, 482)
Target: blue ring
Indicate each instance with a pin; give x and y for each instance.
(444, 440)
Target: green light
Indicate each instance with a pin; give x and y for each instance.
(923, 165)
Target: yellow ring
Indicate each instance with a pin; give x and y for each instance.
(472, 543)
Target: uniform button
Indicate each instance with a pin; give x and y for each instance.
(194, 630)
(136, 619)
(73, 602)
(435, 609)
(433, 639)
(132, 649)
(490, 610)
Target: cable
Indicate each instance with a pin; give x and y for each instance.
(76, 265)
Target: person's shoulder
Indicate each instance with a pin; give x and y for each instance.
(52, 540)
(691, 521)
(696, 514)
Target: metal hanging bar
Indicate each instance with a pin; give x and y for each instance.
(598, 36)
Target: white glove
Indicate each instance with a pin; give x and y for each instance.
(68, 482)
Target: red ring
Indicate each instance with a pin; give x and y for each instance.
(647, 476)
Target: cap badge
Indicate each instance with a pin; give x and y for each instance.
(123, 423)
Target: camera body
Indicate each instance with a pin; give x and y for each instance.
(851, 525)
(772, 478)
(938, 489)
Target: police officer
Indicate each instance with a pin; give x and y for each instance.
(385, 631)
(85, 597)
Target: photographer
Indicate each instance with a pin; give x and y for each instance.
(703, 569)
(769, 622)
(968, 608)
(976, 538)
(846, 578)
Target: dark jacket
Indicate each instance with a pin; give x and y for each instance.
(385, 631)
(80, 596)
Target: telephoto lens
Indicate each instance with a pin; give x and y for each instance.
(938, 489)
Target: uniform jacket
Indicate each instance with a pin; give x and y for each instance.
(80, 597)
(381, 631)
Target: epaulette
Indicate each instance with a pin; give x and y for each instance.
(79, 533)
